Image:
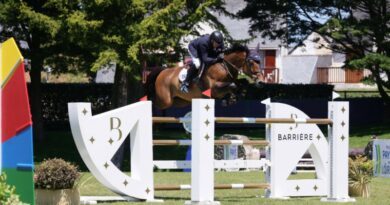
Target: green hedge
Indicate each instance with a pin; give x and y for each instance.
(283, 91)
(55, 97)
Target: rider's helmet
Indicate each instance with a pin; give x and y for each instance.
(217, 37)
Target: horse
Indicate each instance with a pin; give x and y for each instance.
(163, 85)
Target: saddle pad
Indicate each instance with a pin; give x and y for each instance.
(183, 74)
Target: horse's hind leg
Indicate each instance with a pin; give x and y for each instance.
(163, 98)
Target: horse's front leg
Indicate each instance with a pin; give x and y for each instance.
(220, 89)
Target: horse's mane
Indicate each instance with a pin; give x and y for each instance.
(237, 48)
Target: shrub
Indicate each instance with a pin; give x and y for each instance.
(7, 193)
(55, 174)
(360, 175)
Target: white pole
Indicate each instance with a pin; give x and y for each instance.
(202, 152)
(338, 136)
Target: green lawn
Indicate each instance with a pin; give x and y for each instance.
(379, 189)
(61, 144)
(360, 135)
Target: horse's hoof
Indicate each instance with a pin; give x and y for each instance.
(259, 85)
(233, 86)
(224, 103)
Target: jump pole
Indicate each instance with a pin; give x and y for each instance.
(202, 180)
(216, 142)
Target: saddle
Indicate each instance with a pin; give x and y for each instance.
(196, 80)
(183, 73)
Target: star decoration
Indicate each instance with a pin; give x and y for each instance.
(318, 137)
(125, 182)
(291, 128)
(106, 165)
(110, 141)
(342, 138)
(343, 109)
(92, 140)
(85, 111)
(297, 188)
(315, 187)
(207, 107)
(207, 137)
(147, 190)
(207, 122)
(342, 123)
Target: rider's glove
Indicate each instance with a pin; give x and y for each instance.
(220, 57)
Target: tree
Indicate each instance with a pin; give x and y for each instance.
(42, 25)
(130, 29)
(81, 34)
(358, 28)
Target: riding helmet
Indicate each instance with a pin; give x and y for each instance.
(217, 37)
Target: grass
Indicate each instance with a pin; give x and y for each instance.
(61, 144)
(379, 190)
(361, 135)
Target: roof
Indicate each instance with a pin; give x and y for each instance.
(239, 28)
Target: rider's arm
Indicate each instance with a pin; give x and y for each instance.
(205, 58)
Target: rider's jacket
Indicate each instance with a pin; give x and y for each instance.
(203, 49)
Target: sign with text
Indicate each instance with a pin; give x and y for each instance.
(381, 157)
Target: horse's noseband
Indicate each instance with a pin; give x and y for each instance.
(247, 62)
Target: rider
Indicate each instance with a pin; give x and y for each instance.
(204, 51)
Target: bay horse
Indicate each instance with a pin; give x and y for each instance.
(163, 86)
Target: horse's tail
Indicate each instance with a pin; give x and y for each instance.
(150, 85)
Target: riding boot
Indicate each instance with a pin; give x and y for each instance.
(191, 73)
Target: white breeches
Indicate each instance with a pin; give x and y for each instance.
(195, 61)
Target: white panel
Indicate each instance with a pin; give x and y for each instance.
(305, 187)
(99, 137)
(289, 142)
(172, 164)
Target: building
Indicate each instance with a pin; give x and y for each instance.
(309, 63)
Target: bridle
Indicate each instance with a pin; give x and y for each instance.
(227, 64)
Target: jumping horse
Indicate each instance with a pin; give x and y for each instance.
(163, 85)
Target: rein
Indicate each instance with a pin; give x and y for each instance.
(227, 64)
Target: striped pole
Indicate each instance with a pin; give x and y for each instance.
(216, 142)
(217, 186)
(249, 120)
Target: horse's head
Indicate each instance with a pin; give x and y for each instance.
(240, 58)
(252, 65)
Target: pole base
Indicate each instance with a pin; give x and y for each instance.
(86, 200)
(338, 200)
(202, 203)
